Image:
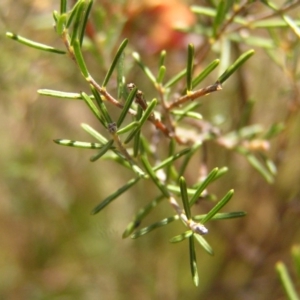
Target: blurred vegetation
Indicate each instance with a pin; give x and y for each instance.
(52, 248)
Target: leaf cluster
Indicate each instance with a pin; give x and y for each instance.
(124, 139)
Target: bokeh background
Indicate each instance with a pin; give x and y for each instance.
(52, 248)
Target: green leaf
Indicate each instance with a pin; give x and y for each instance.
(175, 79)
(181, 237)
(141, 214)
(33, 44)
(78, 144)
(203, 185)
(193, 261)
(201, 240)
(161, 74)
(146, 70)
(114, 62)
(211, 12)
(218, 20)
(189, 68)
(202, 10)
(176, 190)
(250, 131)
(256, 164)
(166, 221)
(63, 6)
(217, 207)
(170, 169)
(76, 33)
(271, 167)
(136, 143)
(130, 228)
(184, 197)
(153, 226)
(241, 60)
(289, 21)
(205, 72)
(220, 173)
(73, 13)
(222, 216)
(101, 105)
(296, 258)
(127, 106)
(115, 195)
(59, 94)
(170, 160)
(92, 107)
(274, 130)
(286, 281)
(55, 15)
(103, 150)
(190, 114)
(253, 41)
(98, 136)
(272, 23)
(80, 59)
(120, 77)
(154, 178)
(128, 127)
(85, 20)
(187, 111)
(162, 58)
(143, 119)
(61, 22)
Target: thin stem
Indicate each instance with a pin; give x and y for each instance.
(197, 94)
(157, 123)
(194, 226)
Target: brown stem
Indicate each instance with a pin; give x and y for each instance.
(197, 94)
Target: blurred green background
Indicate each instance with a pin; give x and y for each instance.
(52, 248)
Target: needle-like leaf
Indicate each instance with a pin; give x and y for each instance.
(184, 197)
(103, 150)
(63, 6)
(146, 70)
(181, 237)
(80, 59)
(115, 195)
(193, 261)
(217, 207)
(76, 33)
(189, 68)
(206, 246)
(33, 44)
(150, 228)
(286, 281)
(210, 177)
(127, 106)
(141, 214)
(85, 19)
(154, 178)
(241, 60)
(78, 144)
(114, 62)
(143, 119)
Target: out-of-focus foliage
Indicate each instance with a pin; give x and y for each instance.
(52, 248)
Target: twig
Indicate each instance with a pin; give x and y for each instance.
(197, 94)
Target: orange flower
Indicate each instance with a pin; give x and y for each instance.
(151, 25)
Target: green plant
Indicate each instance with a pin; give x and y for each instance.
(129, 145)
(285, 277)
